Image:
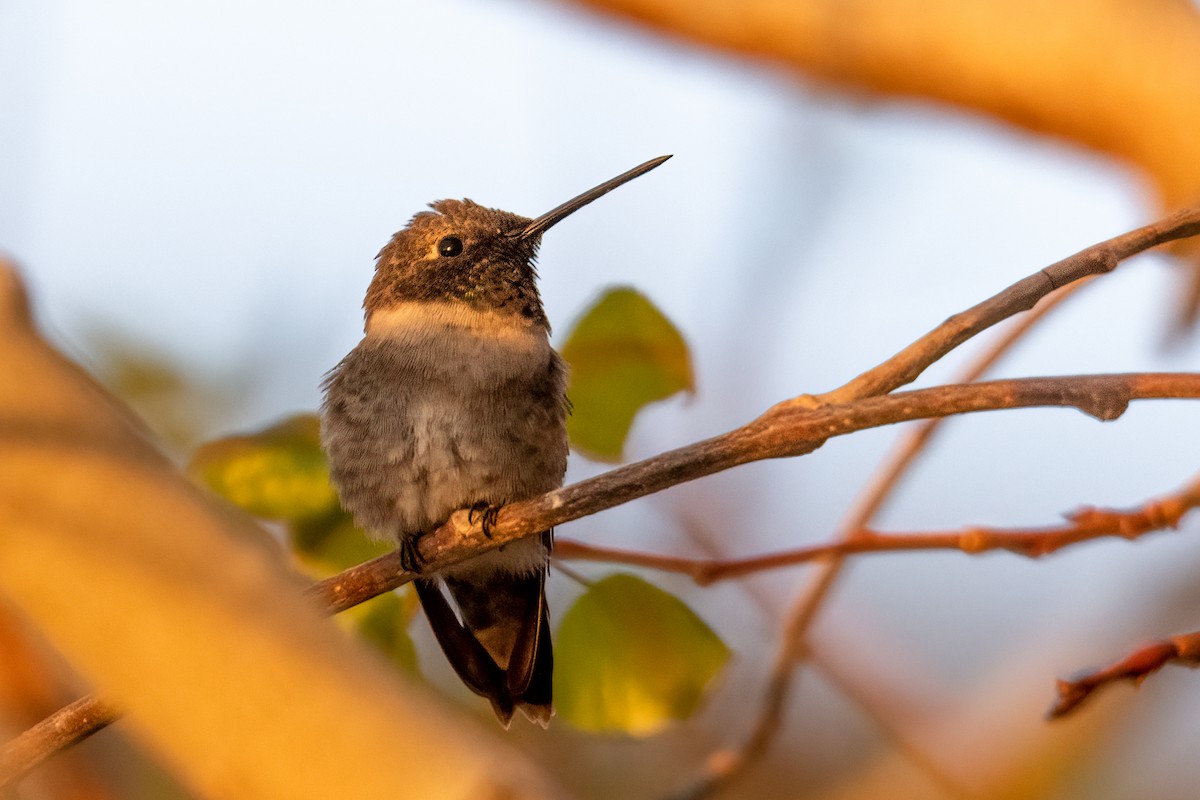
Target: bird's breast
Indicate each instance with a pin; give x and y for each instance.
(437, 409)
(450, 337)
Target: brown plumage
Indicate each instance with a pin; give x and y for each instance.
(455, 399)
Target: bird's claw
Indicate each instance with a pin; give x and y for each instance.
(410, 553)
(486, 513)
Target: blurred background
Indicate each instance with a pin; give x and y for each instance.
(196, 193)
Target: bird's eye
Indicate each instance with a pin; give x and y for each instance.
(450, 246)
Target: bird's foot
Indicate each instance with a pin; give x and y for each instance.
(410, 553)
(486, 513)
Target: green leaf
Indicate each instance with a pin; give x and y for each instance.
(278, 473)
(632, 658)
(332, 543)
(383, 622)
(624, 354)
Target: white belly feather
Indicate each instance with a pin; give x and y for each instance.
(431, 414)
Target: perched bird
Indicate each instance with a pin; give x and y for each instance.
(455, 399)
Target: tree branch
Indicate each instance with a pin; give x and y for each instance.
(726, 765)
(782, 431)
(909, 363)
(792, 428)
(1000, 57)
(1137, 666)
(68, 726)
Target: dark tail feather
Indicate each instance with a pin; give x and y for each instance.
(506, 624)
(531, 666)
(468, 657)
(536, 701)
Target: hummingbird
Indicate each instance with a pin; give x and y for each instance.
(455, 399)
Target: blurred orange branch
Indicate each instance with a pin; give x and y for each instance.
(1122, 77)
(1118, 76)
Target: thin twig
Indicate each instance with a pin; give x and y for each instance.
(1137, 666)
(68, 726)
(1083, 525)
(883, 483)
(909, 363)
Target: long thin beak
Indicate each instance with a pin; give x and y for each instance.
(539, 225)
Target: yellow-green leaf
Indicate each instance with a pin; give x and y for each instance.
(624, 353)
(277, 473)
(631, 658)
(333, 543)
